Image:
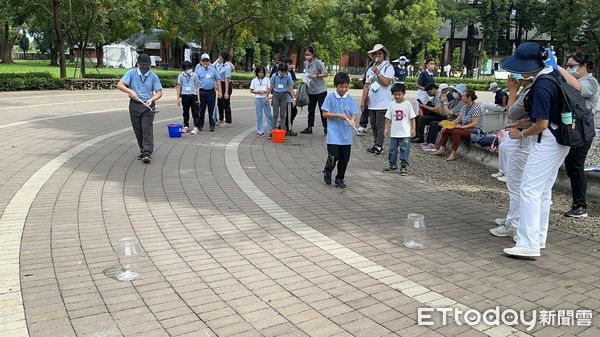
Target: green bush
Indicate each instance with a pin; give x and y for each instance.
(29, 81)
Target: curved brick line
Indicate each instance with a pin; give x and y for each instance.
(384, 275)
(12, 312)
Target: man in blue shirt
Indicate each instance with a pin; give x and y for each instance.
(209, 90)
(144, 89)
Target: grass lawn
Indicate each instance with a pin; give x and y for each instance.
(26, 66)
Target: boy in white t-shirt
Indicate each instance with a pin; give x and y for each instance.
(400, 126)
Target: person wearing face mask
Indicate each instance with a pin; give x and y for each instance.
(144, 89)
(188, 91)
(544, 103)
(210, 90)
(377, 92)
(400, 71)
(579, 66)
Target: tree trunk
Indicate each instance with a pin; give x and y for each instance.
(99, 56)
(61, 39)
(6, 45)
(82, 49)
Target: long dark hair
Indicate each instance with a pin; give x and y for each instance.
(583, 60)
(311, 49)
(225, 55)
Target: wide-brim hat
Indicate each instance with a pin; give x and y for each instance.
(401, 58)
(459, 88)
(528, 58)
(378, 47)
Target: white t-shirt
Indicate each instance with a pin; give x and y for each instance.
(262, 84)
(380, 99)
(400, 114)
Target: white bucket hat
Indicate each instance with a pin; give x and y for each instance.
(378, 47)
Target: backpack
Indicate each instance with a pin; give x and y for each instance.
(302, 95)
(581, 130)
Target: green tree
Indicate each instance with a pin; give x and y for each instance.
(13, 15)
(24, 43)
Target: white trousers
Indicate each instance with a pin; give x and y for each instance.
(515, 153)
(492, 107)
(539, 175)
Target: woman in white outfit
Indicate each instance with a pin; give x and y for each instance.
(546, 155)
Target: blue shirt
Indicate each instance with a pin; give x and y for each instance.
(188, 83)
(224, 71)
(546, 101)
(338, 130)
(281, 84)
(207, 77)
(144, 85)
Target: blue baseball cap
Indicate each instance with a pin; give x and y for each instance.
(528, 58)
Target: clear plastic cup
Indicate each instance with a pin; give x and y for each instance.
(130, 258)
(415, 231)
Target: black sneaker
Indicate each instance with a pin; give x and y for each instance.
(291, 133)
(390, 169)
(307, 131)
(140, 156)
(146, 159)
(377, 151)
(372, 149)
(577, 212)
(340, 184)
(327, 177)
(212, 129)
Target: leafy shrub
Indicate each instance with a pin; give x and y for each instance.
(29, 81)
(102, 76)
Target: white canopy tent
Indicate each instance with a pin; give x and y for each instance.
(119, 55)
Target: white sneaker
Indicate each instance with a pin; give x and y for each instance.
(195, 131)
(500, 222)
(521, 251)
(498, 174)
(224, 125)
(515, 238)
(361, 129)
(502, 231)
(502, 179)
(185, 129)
(542, 246)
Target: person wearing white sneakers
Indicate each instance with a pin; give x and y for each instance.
(188, 91)
(515, 154)
(545, 105)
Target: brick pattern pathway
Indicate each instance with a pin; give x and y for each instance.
(242, 238)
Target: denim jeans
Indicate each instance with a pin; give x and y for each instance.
(262, 107)
(404, 145)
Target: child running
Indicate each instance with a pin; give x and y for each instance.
(188, 91)
(341, 110)
(400, 126)
(260, 87)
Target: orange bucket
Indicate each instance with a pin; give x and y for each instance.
(278, 136)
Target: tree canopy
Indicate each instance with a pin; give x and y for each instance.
(253, 30)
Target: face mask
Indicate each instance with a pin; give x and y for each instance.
(455, 95)
(402, 62)
(144, 70)
(573, 70)
(188, 71)
(517, 76)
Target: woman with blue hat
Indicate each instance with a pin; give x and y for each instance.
(546, 155)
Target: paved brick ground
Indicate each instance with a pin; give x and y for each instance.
(268, 250)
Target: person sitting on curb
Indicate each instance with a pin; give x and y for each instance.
(500, 100)
(449, 109)
(469, 120)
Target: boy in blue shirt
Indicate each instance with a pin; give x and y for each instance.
(341, 110)
(144, 89)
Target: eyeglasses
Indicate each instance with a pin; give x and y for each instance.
(571, 65)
